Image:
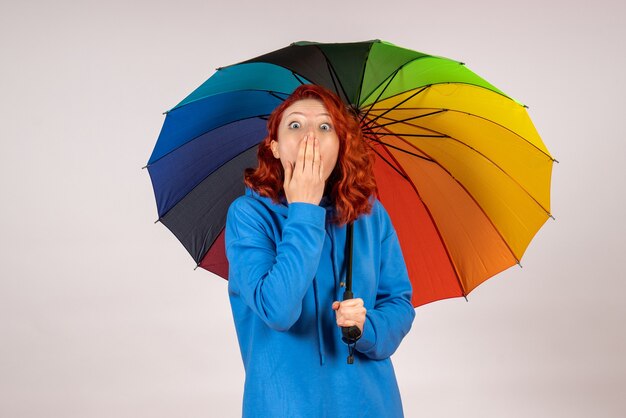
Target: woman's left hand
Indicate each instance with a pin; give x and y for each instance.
(350, 312)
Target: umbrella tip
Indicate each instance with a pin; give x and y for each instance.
(158, 220)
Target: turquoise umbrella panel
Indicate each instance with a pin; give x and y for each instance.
(251, 76)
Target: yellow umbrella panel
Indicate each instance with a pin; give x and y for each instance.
(477, 164)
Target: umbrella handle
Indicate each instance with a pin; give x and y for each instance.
(352, 333)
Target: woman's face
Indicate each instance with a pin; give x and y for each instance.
(306, 117)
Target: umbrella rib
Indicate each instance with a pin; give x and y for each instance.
(497, 91)
(442, 135)
(411, 135)
(332, 77)
(274, 94)
(434, 223)
(199, 182)
(358, 96)
(411, 118)
(369, 123)
(400, 149)
(469, 114)
(397, 70)
(400, 173)
(333, 73)
(467, 192)
(209, 249)
(477, 152)
(390, 79)
(297, 77)
(473, 149)
(264, 117)
(206, 238)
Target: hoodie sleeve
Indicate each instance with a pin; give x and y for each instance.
(272, 278)
(391, 319)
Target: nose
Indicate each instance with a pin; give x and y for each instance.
(307, 134)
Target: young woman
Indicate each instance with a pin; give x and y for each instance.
(285, 242)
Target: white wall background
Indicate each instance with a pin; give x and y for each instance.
(101, 311)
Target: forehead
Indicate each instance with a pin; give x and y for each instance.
(308, 107)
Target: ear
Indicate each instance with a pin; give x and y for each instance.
(274, 148)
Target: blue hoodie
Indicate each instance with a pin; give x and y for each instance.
(286, 267)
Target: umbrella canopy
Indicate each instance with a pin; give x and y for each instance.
(460, 167)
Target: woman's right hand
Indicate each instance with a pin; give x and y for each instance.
(304, 182)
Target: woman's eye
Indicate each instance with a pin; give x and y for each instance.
(294, 125)
(325, 126)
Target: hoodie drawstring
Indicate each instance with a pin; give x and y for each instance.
(320, 338)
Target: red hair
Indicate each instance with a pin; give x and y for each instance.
(351, 182)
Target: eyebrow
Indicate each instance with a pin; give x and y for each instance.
(300, 113)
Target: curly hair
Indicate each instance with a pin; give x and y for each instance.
(351, 183)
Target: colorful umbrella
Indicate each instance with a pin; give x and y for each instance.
(460, 167)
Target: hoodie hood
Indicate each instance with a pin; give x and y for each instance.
(283, 207)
